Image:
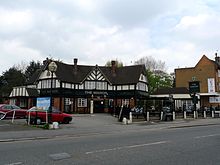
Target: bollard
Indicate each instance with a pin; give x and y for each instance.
(174, 116)
(91, 107)
(124, 121)
(13, 117)
(148, 116)
(213, 114)
(184, 114)
(194, 114)
(130, 118)
(29, 118)
(161, 116)
(204, 114)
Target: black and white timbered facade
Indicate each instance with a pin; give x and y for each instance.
(88, 89)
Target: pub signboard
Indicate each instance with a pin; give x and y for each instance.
(194, 87)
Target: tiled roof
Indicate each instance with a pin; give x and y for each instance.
(34, 77)
(124, 75)
(32, 92)
(178, 90)
(67, 73)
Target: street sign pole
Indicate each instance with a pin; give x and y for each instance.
(194, 87)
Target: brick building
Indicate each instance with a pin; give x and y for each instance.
(207, 73)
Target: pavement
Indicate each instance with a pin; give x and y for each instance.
(88, 125)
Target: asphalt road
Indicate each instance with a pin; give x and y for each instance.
(172, 146)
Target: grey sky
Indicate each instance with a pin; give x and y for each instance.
(95, 31)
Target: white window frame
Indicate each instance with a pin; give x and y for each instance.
(125, 87)
(119, 87)
(81, 86)
(12, 101)
(101, 85)
(89, 84)
(23, 103)
(67, 85)
(110, 87)
(142, 86)
(82, 102)
(125, 102)
(132, 87)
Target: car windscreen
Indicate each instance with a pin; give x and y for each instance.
(54, 110)
(15, 107)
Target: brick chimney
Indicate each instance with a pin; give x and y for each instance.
(75, 60)
(113, 67)
(217, 58)
(46, 61)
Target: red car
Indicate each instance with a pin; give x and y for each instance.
(39, 116)
(7, 111)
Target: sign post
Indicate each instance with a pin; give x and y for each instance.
(194, 87)
(44, 103)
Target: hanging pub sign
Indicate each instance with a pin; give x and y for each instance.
(194, 87)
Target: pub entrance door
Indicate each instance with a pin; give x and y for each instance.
(98, 106)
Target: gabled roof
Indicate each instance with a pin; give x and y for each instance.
(24, 92)
(68, 73)
(124, 75)
(97, 68)
(205, 58)
(201, 61)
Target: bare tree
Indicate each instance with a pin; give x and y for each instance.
(117, 62)
(21, 66)
(156, 73)
(151, 64)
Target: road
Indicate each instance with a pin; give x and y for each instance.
(171, 146)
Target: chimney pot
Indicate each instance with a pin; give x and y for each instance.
(75, 60)
(113, 67)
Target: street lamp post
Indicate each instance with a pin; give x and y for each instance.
(91, 105)
(52, 67)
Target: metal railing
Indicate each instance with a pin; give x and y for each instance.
(3, 115)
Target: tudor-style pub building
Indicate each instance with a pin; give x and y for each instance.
(85, 89)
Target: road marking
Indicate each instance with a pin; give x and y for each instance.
(59, 156)
(126, 147)
(3, 125)
(206, 136)
(17, 163)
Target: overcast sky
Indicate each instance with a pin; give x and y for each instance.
(177, 32)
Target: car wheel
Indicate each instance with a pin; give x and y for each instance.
(2, 115)
(66, 121)
(38, 121)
